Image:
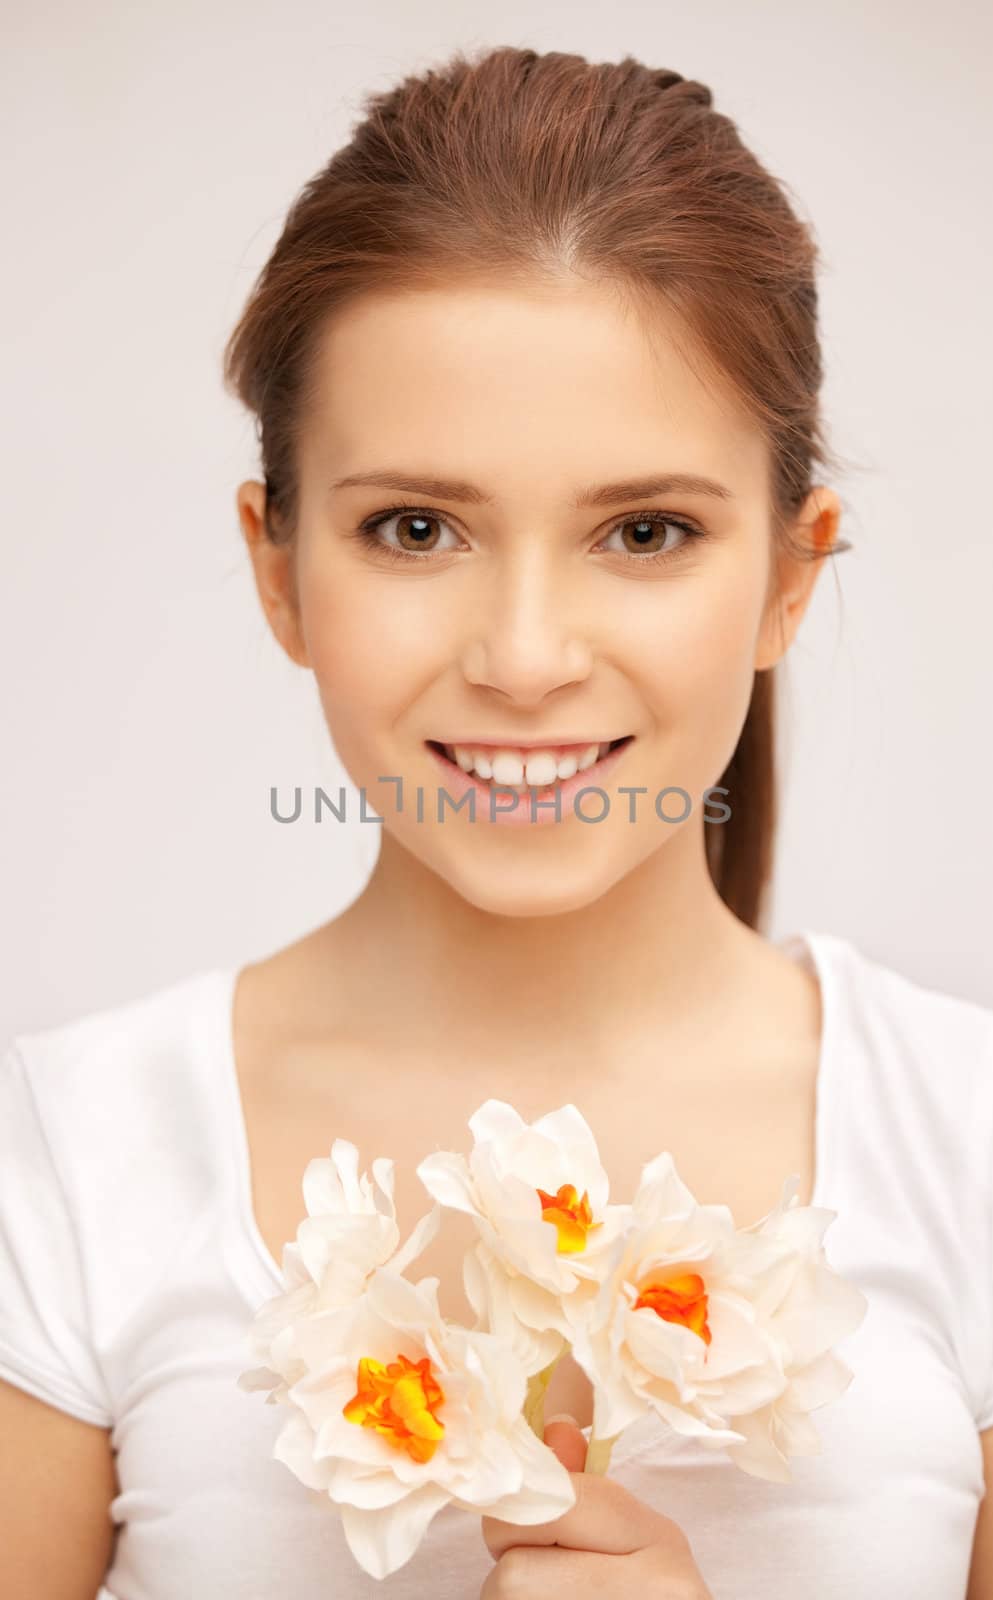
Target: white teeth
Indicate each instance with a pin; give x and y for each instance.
(540, 769)
(507, 768)
(525, 769)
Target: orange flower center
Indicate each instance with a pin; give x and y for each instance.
(399, 1401)
(680, 1299)
(572, 1217)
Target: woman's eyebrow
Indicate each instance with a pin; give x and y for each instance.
(604, 494)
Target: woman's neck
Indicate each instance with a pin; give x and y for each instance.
(658, 950)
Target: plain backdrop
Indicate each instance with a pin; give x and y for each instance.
(149, 155)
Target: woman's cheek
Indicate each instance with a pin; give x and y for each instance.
(696, 669)
(371, 662)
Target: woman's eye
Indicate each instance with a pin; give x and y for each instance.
(415, 532)
(651, 536)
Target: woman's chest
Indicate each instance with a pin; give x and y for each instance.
(208, 1509)
(733, 1142)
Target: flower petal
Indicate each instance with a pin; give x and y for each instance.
(294, 1446)
(661, 1192)
(547, 1489)
(421, 1235)
(381, 1541)
(494, 1472)
(495, 1119)
(757, 1454)
(405, 1306)
(446, 1178)
(349, 1484)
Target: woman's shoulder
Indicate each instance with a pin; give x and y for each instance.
(887, 1002)
(163, 1013)
(900, 1041)
(117, 1150)
(133, 1041)
(143, 1076)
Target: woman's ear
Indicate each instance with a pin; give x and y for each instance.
(274, 566)
(793, 577)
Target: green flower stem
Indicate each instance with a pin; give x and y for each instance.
(534, 1400)
(598, 1454)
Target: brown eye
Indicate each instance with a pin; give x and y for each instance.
(415, 532)
(651, 535)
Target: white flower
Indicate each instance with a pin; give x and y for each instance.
(401, 1413)
(708, 1325)
(395, 1412)
(539, 1197)
(806, 1308)
(350, 1230)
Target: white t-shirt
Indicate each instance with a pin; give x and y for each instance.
(131, 1265)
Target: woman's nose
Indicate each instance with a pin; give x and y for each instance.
(522, 644)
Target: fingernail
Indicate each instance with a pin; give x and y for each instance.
(562, 1416)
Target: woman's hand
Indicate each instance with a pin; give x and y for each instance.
(609, 1544)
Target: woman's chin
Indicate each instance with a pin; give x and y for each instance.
(527, 887)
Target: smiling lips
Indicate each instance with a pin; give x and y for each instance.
(523, 768)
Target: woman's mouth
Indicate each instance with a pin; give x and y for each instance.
(526, 769)
(547, 779)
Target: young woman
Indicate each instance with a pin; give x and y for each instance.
(536, 372)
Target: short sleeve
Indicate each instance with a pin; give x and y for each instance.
(984, 1416)
(45, 1347)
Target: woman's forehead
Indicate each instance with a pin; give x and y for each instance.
(474, 369)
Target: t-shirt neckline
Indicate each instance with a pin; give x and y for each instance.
(250, 1259)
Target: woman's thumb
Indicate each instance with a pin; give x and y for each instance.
(564, 1436)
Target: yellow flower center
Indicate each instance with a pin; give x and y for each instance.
(399, 1401)
(679, 1299)
(572, 1217)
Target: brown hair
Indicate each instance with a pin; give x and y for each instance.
(526, 165)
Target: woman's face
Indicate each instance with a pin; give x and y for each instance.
(532, 604)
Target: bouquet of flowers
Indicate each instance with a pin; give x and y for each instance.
(394, 1411)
